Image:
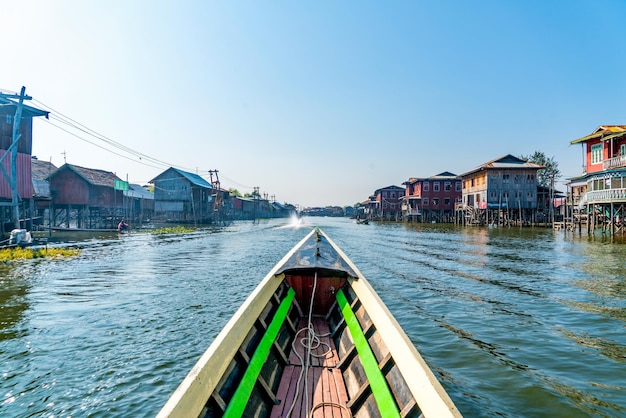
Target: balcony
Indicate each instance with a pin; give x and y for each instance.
(603, 196)
(615, 162)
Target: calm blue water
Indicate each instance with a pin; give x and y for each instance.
(515, 323)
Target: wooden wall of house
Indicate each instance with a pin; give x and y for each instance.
(518, 189)
(24, 177)
(68, 188)
(171, 186)
(25, 143)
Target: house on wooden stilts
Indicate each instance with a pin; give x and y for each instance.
(16, 140)
(41, 203)
(431, 199)
(598, 195)
(86, 198)
(500, 192)
(139, 205)
(183, 197)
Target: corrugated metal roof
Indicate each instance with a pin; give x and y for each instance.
(504, 162)
(26, 110)
(138, 192)
(602, 131)
(193, 178)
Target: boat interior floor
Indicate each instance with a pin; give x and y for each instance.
(317, 389)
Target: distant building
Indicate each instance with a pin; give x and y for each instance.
(139, 204)
(387, 203)
(42, 198)
(180, 196)
(500, 190)
(85, 198)
(431, 199)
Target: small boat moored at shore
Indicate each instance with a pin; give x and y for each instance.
(312, 340)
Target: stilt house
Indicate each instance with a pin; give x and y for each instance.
(184, 197)
(24, 146)
(431, 199)
(500, 191)
(86, 198)
(600, 191)
(42, 198)
(388, 203)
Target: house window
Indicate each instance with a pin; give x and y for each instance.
(596, 154)
(435, 202)
(447, 186)
(529, 195)
(458, 186)
(530, 178)
(393, 195)
(472, 182)
(425, 201)
(436, 186)
(505, 178)
(426, 186)
(446, 201)
(622, 149)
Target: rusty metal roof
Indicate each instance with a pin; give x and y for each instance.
(603, 132)
(505, 162)
(91, 175)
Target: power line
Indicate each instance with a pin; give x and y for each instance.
(135, 156)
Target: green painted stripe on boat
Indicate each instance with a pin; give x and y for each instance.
(382, 394)
(240, 399)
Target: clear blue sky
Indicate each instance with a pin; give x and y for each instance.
(315, 102)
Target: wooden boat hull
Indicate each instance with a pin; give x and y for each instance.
(267, 361)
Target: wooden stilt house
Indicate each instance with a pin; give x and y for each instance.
(598, 195)
(41, 203)
(183, 197)
(86, 198)
(501, 191)
(16, 143)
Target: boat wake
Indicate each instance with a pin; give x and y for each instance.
(295, 222)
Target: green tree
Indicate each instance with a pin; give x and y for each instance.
(547, 176)
(234, 192)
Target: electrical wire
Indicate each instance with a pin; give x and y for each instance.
(56, 118)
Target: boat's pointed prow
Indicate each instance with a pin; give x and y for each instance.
(312, 337)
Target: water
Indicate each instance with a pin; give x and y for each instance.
(515, 323)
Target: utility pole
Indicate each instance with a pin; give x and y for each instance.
(15, 212)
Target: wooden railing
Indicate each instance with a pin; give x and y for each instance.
(615, 162)
(603, 196)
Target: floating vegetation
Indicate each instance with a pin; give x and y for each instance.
(172, 230)
(19, 253)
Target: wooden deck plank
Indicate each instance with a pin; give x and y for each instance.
(324, 383)
(318, 392)
(326, 395)
(342, 394)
